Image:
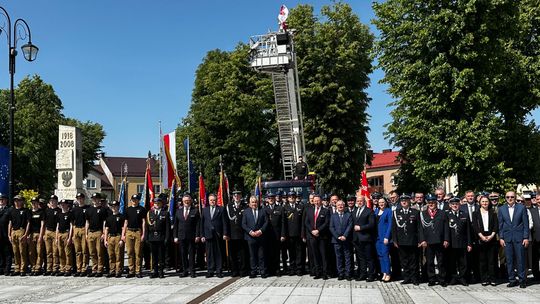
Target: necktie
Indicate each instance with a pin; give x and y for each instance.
(255, 215)
(156, 212)
(212, 212)
(315, 217)
(470, 212)
(186, 212)
(358, 213)
(341, 218)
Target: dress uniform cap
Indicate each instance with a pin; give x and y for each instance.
(292, 193)
(54, 197)
(404, 197)
(237, 192)
(2, 195)
(114, 203)
(430, 197)
(18, 198)
(135, 197)
(66, 201)
(96, 195)
(270, 194)
(351, 197)
(279, 193)
(158, 200)
(376, 195)
(454, 200)
(80, 194)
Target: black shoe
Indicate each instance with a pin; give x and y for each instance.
(513, 284)
(219, 275)
(405, 282)
(292, 273)
(153, 275)
(183, 274)
(316, 277)
(443, 284)
(193, 275)
(453, 281)
(370, 279)
(131, 275)
(209, 275)
(325, 277)
(110, 275)
(299, 273)
(278, 273)
(463, 282)
(15, 274)
(91, 275)
(161, 275)
(118, 275)
(99, 274)
(77, 274)
(485, 283)
(235, 274)
(45, 274)
(252, 276)
(340, 278)
(23, 274)
(139, 275)
(84, 274)
(492, 283)
(264, 275)
(522, 285)
(416, 283)
(68, 274)
(431, 283)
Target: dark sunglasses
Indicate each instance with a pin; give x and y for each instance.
(510, 197)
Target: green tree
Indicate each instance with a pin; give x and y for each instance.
(37, 116)
(463, 85)
(334, 64)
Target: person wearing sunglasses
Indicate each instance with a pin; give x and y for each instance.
(514, 237)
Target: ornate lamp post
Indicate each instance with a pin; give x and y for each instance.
(21, 31)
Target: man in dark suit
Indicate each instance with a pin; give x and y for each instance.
(473, 264)
(363, 239)
(275, 235)
(254, 223)
(186, 233)
(159, 225)
(213, 231)
(238, 249)
(6, 254)
(535, 233)
(316, 223)
(442, 204)
(341, 224)
(405, 233)
(514, 237)
(293, 213)
(434, 239)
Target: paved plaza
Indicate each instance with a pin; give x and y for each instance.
(244, 290)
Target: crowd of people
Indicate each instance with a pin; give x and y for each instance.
(436, 238)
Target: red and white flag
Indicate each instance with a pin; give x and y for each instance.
(364, 190)
(282, 17)
(169, 160)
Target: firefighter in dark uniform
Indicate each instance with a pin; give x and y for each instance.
(406, 229)
(50, 236)
(434, 237)
(95, 220)
(64, 237)
(294, 227)
(113, 240)
(238, 249)
(18, 230)
(159, 224)
(460, 242)
(35, 241)
(6, 253)
(275, 235)
(79, 235)
(300, 169)
(133, 235)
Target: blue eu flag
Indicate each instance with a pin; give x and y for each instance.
(4, 170)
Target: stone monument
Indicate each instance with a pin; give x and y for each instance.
(69, 162)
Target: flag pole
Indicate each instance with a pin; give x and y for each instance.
(160, 157)
(188, 171)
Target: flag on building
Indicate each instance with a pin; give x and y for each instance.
(282, 17)
(172, 200)
(122, 197)
(364, 190)
(169, 160)
(4, 170)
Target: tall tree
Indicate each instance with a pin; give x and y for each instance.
(334, 63)
(37, 116)
(458, 72)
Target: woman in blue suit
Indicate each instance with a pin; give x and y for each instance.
(383, 217)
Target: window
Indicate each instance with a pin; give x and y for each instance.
(140, 188)
(375, 181)
(90, 184)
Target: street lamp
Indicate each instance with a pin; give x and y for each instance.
(21, 31)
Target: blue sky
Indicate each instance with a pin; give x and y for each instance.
(111, 61)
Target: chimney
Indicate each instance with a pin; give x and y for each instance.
(386, 150)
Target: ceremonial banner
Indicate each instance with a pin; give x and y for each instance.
(122, 197)
(364, 190)
(172, 201)
(202, 192)
(4, 170)
(169, 159)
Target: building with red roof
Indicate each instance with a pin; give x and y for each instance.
(381, 172)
